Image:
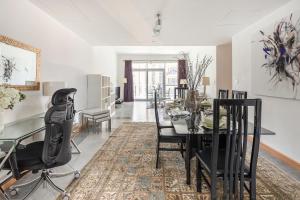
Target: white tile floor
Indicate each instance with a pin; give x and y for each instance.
(91, 143)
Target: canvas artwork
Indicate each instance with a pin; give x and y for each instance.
(276, 59)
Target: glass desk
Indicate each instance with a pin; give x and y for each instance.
(20, 130)
(14, 133)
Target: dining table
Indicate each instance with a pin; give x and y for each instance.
(194, 137)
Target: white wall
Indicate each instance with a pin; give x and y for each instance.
(65, 56)
(105, 62)
(170, 53)
(211, 71)
(279, 115)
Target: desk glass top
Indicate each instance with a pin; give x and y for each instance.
(20, 129)
(181, 128)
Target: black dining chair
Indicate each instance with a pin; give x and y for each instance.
(166, 134)
(223, 94)
(207, 139)
(180, 92)
(230, 163)
(238, 94)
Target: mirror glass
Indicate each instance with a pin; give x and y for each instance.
(19, 64)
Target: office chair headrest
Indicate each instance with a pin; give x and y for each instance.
(62, 96)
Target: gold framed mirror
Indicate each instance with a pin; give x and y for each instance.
(19, 64)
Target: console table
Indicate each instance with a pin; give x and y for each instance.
(96, 115)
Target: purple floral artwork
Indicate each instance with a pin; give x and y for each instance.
(282, 52)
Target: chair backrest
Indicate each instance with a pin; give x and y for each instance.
(236, 142)
(168, 93)
(156, 109)
(180, 92)
(238, 94)
(59, 121)
(223, 94)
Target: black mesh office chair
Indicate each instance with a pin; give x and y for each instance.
(55, 150)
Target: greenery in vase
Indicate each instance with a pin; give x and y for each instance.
(9, 97)
(196, 70)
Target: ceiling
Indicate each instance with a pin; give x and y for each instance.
(184, 22)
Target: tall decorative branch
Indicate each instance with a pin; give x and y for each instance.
(195, 71)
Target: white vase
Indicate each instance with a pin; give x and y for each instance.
(1, 121)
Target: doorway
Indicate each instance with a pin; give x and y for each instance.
(150, 75)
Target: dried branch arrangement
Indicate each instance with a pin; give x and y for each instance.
(196, 70)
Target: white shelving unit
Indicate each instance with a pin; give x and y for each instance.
(100, 93)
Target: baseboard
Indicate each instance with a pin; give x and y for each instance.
(280, 156)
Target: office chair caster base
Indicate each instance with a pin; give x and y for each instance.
(66, 196)
(76, 174)
(13, 192)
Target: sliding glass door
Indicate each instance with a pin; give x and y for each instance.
(156, 79)
(139, 84)
(150, 75)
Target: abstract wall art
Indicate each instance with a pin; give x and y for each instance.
(276, 59)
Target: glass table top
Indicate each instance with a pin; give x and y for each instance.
(181, 128)
(20, 129)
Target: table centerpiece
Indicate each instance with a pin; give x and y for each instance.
(195, 73)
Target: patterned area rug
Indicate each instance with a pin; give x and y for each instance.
(124, 168)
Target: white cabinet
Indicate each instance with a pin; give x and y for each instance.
(100, 92)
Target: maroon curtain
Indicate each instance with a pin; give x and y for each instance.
(128, 87)
(181, 72)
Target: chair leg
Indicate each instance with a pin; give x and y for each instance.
(45, 177)
(181, 149)
(100, 126)
(157, 155)
(213, 190)
(253, 188)
(63, 192)
(25, 184)
(54, 186)
(39, 183)
(88, 125)
(76, 174)
(109, 125)
(76, 147)
(198, 176)
(94, 126)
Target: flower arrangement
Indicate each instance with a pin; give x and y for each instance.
(196, 70)
(9, 97)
